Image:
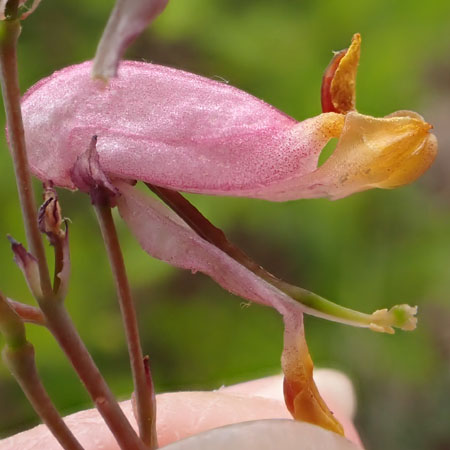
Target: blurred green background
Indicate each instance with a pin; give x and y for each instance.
(369, 251)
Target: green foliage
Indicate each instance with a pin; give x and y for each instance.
(369, 251)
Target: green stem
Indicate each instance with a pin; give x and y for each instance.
(143, 389)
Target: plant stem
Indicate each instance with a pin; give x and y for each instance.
(58, 321)
(18, 355)
(65, 333)
(21, 363)
(9, 33)
(143, 389)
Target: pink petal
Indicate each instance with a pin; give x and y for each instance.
(167, 127)
(127, 20)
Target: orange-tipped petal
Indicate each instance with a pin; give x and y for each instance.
(300, 391)
(339, 81)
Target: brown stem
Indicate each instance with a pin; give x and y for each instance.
(9, 33)
(65, 333)
(27, 313)
(144, 406)
(22, 364)
(18, 355)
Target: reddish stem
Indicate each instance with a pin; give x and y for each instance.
(21, 363)
(9, 32)
(143, 390)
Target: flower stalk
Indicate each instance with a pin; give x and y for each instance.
(87, 174)
(146, 412)
(9, 33)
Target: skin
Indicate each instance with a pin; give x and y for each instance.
(184, 414)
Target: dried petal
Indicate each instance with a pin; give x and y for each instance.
(61, 286)
(300, 392)
(50, 217)
(127, 20)
(31, 9)
(339, 80)
(181, 131)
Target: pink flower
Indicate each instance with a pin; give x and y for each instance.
(181, 131)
